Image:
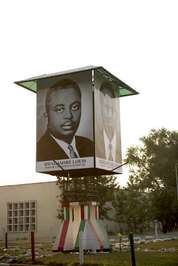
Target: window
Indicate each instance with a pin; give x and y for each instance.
(15, 206)
(10, 206)
(21, 213)
(27, 227)
(21, 220)
(33, 227)
(20, 205)
(21, 216)
(26, 219)
(21, 228)
(9, 213)
(32, 220)
(9, 221)
(32, 212)
(15, 221)
(9, 228)
(26, 212)
(33, 205)
(26, 205)
(15, 228)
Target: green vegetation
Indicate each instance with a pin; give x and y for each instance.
(89, 188)
(157, 246)
(151, 191)
(155, 255)
(115, 258)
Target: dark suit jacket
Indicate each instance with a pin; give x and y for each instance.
(48, 149)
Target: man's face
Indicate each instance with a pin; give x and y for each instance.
(64, 111)
(108, 106)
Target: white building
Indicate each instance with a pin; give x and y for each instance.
(31, 207)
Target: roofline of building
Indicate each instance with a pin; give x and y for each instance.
(33, 183)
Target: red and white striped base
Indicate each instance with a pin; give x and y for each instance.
(81, 217)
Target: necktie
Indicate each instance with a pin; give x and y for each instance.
(110, 152)
(72, 152)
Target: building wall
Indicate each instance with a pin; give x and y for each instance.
(46, 195)
(47, 202)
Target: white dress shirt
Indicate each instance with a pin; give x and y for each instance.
(64, 145)
(107, 143)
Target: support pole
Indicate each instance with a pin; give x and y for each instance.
(6, 240)
(176, 165)
(132, 251)
(33, 246)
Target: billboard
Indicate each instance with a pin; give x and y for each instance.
(107, 125)
(78, 121)
(65, 123)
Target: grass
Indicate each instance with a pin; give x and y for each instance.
(160, 245)
(153, 256)
(116, 258)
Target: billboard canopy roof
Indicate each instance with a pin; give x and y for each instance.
(122, 89)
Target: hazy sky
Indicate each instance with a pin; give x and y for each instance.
(135, 40)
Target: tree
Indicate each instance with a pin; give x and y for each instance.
(152, 168)
(132, 208)
(85, 189)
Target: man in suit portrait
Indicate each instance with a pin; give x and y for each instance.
(108, 144)
(63, 110)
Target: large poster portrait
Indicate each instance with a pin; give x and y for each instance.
(65, 123)
(107, 126)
